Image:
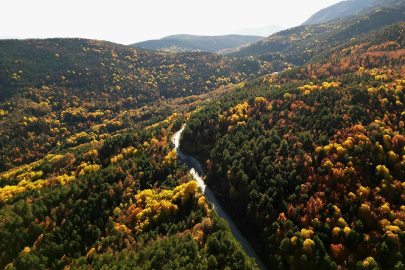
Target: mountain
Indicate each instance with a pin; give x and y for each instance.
(261, 31)
(184, 43)
(339, 10)
(348, 8)
(297, 46)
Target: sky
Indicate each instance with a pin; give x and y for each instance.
(126, 22)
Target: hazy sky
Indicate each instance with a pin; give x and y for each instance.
(127, 22)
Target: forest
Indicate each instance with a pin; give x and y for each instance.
(119, 202)
(59, 88)
(301, 136)
(88, 177)
(299, 45)
(310, 162)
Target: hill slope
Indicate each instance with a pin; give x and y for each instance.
(311, 162)
(184, 43)
(299, 45)
(118, 202)
(98, 65)
(89, 178)
(339, 10)
(75, 84)
(350, 8)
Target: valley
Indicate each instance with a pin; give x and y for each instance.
(284, 152)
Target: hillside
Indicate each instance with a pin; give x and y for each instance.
(339, 10)
(117, 201)
(88, 175)
(310, 162)
(185, 43)
(351, 8)
(101, 66)
(297, 46)
(51, 90)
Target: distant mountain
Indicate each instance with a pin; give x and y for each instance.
(261, 31)
(186, 43)
(382, 4)
(348, 8)
(339, 10)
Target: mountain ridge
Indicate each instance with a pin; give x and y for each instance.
(298, 45)
(338, 10)
(349, 8)
(184, 43)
